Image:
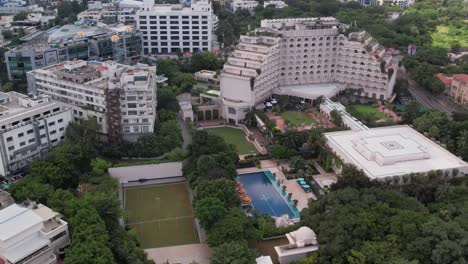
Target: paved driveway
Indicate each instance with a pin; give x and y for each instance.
(184, 254)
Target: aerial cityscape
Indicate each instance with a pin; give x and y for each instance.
(233, 131)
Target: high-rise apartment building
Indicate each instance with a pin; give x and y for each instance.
(121, 98)
(31, 234)
(303, 57)
(172, 28)
(29, 128)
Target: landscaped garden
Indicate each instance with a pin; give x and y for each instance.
(235, 137)
(366, 113)
(296, 118)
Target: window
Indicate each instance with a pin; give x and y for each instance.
(21, 135)
(9, 139)
(30, 131)
(126, 130)
(32, 140)
(51, 123)
(22, 143)
(232, 111)
(60, 120)
(53, 132)
(61, 129)
(11, 148)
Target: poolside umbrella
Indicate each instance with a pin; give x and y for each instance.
(306, 186)
(300, 179)
(238, 184)
(246, 200)
(242, 191)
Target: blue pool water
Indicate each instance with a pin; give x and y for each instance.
(266, 197)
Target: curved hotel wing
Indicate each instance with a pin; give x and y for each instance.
(303, 57)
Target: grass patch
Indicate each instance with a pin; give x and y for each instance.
(297, 118)
(235, 137)
(445, 36)
(161, 215)
(365, 113)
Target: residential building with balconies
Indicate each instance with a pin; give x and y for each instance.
(121, 98)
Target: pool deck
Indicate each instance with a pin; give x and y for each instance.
(291, 185)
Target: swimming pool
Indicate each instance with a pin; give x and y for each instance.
(267, 198)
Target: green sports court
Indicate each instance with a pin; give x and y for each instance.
(161, 214)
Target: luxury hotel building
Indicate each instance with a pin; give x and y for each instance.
(121, 98)
(303, 57)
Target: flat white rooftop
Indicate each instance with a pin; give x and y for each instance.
(147, 172)
(392, 151)
(16, 219)
(312, 90)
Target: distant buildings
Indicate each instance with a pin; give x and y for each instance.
(275, 3)
(31, 233)
(121, 98)
(391, 152)
(400, 3)
(459, 88)
(173, 28)
(29, 128)
(302, 243)
(74, 41)
(206, 76)
(235, 5)
(306, 58)
(15, 7)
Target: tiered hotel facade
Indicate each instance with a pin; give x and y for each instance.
(121, 98)
(303, 57)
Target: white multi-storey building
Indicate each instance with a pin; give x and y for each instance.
(29, 128)
(243, 5)
(121, 98)
(31, 234)
(303, 57)
(173, 28)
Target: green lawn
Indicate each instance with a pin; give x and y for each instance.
(235, 137)
(161, 215)
(297, 118)
(445, 36)
(365, 113)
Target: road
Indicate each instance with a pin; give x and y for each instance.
(429, 100)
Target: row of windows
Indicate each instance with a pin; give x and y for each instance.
(30, 131)
(173, 17)
(144, 31)
(194, 22)
(165, 44)
(177, 38)
(33, 140)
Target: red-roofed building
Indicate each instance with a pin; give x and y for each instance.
(459, 88)
(446, 80)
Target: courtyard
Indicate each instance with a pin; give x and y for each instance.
(161, 215)
(297, 118)
(235, 137)
(366, 113)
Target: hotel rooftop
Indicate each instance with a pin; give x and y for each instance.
(392, 151)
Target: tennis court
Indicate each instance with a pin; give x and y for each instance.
(161, 214)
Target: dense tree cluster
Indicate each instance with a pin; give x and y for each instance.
(375, 223)
(96, 234)
(453, 134)
(211, 172)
